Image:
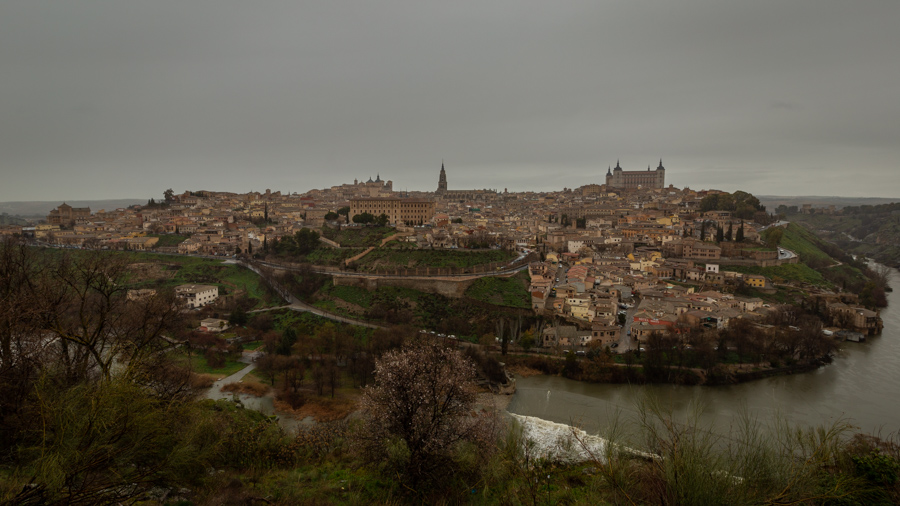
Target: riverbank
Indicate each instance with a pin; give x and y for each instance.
(607, 372)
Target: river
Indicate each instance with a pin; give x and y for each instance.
(861, 386)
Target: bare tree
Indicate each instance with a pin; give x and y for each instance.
(97, 326)
(423, 399)
(22, 346)
(880, 274)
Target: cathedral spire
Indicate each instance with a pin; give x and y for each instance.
(442, 179)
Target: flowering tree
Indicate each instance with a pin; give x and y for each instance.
(422, 408)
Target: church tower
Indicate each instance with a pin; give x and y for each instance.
(442, 180)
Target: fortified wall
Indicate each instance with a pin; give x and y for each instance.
(448, 287)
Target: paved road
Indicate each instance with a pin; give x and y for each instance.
(306, 308)
(627, 342)
(784, 254)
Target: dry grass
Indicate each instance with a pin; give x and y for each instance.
(247, 387)
(150, 271)
(321, 409)
(201, 381)
(522, 370)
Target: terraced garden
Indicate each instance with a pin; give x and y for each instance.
(358, 237)
(330, 256)
(393, 258)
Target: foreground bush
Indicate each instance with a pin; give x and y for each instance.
(421, 420)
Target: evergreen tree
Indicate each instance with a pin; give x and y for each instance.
(288, 338)
(720, 235)
(740, 233)
(728, 235)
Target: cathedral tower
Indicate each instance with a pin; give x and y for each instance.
(442, 180)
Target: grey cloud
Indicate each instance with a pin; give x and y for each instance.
(103, 99)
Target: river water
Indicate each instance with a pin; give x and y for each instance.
(861, 386)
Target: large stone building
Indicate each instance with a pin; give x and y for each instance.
(634, 179)
(67, 216)
(194, 296)
(399, 210)
(459, 195)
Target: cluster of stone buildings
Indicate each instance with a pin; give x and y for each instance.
(620, 215)
(595, 292)
(630, 234)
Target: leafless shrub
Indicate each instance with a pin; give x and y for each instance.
(421, 410)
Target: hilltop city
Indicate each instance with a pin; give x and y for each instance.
(588, 249)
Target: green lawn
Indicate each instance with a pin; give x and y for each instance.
(199, 365)
(510, 292)
(352, 294)
(780, 273)
(168, 240)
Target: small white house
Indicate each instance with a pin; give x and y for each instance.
(712, 268)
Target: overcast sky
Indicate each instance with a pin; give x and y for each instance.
(125, 98)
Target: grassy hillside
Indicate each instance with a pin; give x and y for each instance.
(168, 240)
(469, 317)
(830, 260)
(512, 292)
(805, 244)
(872, 231)
(168, 270)
(781, 273)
